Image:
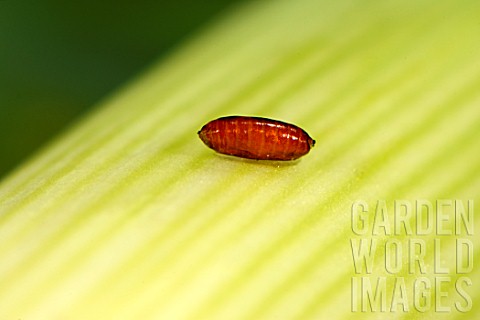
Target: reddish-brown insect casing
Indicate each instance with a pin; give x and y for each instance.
(256, 138)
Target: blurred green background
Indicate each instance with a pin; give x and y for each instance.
(57, 59)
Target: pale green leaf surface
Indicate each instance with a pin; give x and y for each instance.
(128, 216)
